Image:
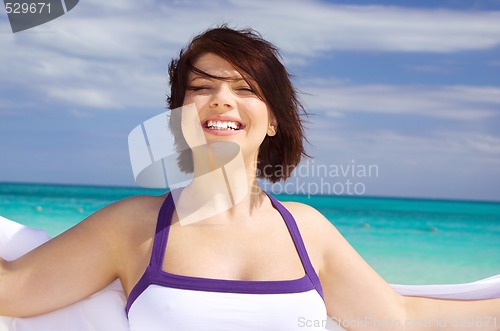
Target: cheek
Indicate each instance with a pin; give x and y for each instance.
(259, 112)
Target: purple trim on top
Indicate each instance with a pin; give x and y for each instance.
(155, 275)
(159, 241)
(299, 243)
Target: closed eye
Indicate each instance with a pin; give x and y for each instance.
(197, 88)
(245, 90)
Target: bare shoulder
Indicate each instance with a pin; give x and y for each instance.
(129, 216)
(308, 217)
(318, 233)
(317, 227)
(134, 208)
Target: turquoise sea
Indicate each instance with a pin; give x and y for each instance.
(408, 241)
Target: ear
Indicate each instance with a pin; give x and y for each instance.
(272, 128)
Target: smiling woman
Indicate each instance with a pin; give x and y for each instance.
(251, 263)
(251, 67)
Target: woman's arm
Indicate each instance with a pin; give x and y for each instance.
(66, 269)
(359, 299)
(454, 314)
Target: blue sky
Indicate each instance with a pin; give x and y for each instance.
(411, 86)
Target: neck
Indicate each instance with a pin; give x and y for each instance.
(224, 181)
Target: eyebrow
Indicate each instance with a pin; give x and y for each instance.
(232, 79)
(200, 74)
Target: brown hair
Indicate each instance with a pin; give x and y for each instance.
(253, 56)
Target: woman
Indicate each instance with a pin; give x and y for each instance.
(221, 254)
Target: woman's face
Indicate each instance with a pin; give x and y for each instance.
(228, 109)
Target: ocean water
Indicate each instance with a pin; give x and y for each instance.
(407, 241)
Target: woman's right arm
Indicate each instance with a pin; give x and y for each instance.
(68, 268)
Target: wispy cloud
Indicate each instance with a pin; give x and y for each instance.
(434, 69)
(90, 97)
(448, 102)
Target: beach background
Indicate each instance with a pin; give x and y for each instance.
(408, 241)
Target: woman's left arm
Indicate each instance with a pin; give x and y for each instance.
(357, 298)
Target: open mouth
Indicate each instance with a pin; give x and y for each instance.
(223, 125)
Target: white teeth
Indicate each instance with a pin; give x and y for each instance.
(222, 125)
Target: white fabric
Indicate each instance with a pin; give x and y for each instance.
(488, 288)
(161, 308)
(105, 310)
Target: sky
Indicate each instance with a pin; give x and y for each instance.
(408, 89)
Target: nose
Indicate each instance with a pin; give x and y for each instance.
(223, 98)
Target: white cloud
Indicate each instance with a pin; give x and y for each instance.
(434, 69)
(310, 27)
(90, 97)
(437, 144)
(447, 102)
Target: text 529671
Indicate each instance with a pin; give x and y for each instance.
(26, 7)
